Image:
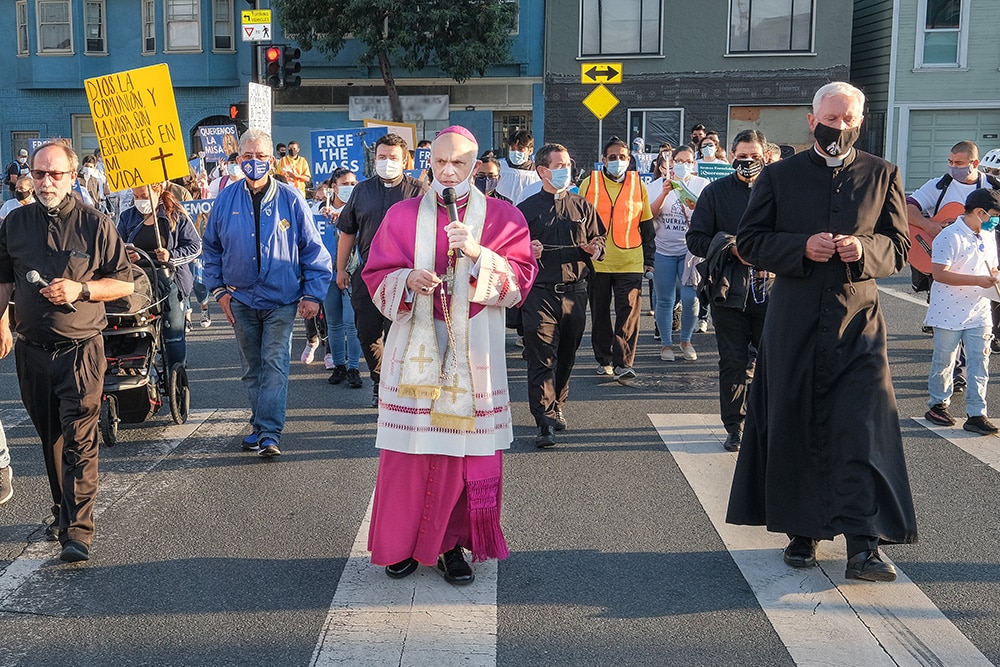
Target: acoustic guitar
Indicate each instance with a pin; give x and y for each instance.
(921, 241)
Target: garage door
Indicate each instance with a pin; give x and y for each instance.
(933, 133)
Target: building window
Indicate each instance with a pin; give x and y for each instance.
(148, 27)
(94, 26)
(942, 35)
(626, 27)
(222, 24)
(183, 25)
(22, 27)
(516, 23)
(55, 27)
(770, 26)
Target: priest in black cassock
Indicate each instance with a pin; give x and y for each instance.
(822, 453)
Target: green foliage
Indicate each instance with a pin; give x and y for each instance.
(461, 37)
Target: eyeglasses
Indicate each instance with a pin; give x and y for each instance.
(40, 174)
(252, 156)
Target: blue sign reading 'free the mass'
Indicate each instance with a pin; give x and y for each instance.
(351, 148)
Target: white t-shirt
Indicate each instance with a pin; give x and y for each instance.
(513, 181)
(672, 222)
(9, 206)
(960, 307)
(927, 194)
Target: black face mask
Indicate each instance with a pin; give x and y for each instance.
(748, 168)
(486, 184)
(21, 196)
(835, 143)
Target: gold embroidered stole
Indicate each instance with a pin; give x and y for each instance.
(423, 373)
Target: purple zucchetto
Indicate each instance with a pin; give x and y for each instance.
(459, 130)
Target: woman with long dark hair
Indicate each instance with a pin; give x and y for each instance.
(170, 238)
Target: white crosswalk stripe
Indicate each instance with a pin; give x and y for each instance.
(821, 617)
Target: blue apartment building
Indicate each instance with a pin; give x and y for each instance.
(60, 43)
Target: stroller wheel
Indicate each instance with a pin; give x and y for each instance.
(179, 393)
(108, 420)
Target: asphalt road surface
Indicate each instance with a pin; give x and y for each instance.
(206, 555)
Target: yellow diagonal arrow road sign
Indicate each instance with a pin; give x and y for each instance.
(601, 73)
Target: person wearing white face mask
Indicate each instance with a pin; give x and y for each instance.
(444, 413)
(567, 237)
(358, 223)
(622, 202)
(231, 173)
(672, 263)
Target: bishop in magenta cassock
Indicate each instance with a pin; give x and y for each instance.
(444, 407)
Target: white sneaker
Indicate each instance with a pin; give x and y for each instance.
(6, 484)
(702, 326)
(667, 354)
(328, 362)
(624, 373)
(206, 319)
(605, 370)
(687, 349)
(309, 353)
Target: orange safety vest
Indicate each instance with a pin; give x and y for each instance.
(622, 215)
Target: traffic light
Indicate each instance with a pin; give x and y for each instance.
(273, 73)
(290, 67)
(238, 111)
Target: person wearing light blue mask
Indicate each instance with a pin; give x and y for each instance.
(622, 203)
(517, 172)
(964, 264)
(567, 238)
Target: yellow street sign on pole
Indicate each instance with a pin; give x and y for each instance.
(592, 73)
(600, 101)
(137, 127)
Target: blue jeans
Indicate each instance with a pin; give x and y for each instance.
(341, 333)
(265, 343)
(4, 452)
(977, 354)
(667, 272)
(174, 334)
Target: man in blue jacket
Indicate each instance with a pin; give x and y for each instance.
(264, 260)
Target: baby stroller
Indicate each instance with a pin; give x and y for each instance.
(137, 379)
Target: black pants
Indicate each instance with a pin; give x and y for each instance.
(61, 390)
(553, 329)
(372, 326)
(735, 331)
(615, 345)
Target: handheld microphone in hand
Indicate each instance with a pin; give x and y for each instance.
(451, 203)
(34, 278)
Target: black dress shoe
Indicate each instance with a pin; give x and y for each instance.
(456, 570)
(732, 443)
(546, 437)
(801, 552)
(403, 568)
(559, 420)
(869, 566)
(74, 552)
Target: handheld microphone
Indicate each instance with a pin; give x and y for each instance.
(35, 278)
(451, 203)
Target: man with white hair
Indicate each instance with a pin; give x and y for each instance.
(822, 453)
(264, 262)
(443, 279)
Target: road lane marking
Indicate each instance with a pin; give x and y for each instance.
(983, 447)
(903, 295)
(822, 618)
(418, 621)
(119, 479)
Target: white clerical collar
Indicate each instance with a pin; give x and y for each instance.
(831, 161)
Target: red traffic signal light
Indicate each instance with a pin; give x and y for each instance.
(272, 67)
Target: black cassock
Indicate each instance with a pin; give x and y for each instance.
(822, 453)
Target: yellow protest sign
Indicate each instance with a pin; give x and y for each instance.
(135, 117)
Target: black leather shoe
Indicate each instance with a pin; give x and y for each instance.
(801, 552)
(456, 570)
(403, 568)
(732, 443)
(74, 552)
(559, 420)
(869, 566)
(546, 437)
